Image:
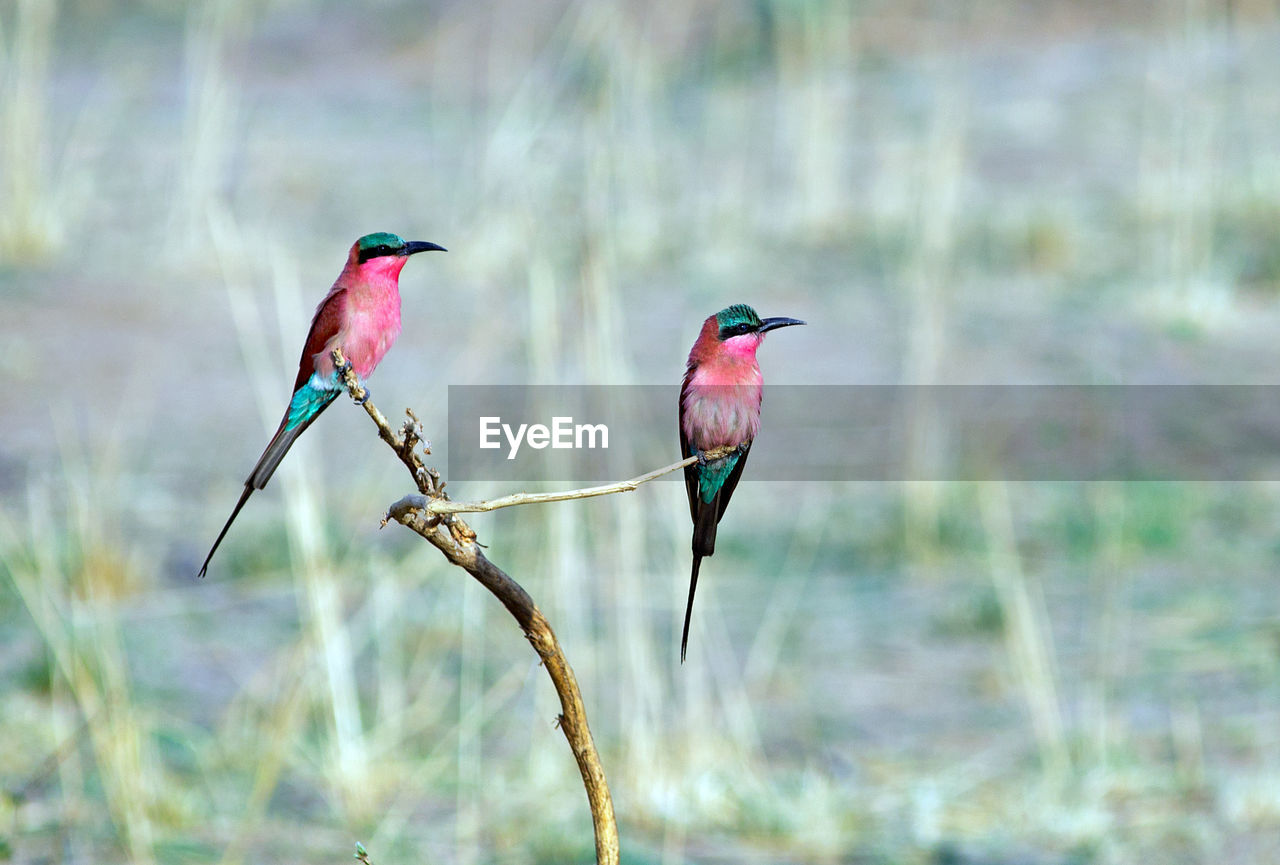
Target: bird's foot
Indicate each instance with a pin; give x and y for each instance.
(365, 393)
(342, 368)
(718, 453)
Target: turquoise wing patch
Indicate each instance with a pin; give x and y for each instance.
(308, 401)
(712, 476)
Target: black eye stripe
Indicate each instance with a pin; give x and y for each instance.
(377, 252)
(735, 330)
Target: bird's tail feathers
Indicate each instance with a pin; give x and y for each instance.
(314, 402)
(271, 457)
(688, 610)
(244, 497)
(705, 519)
(307, 404)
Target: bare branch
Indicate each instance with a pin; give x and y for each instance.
(443, 506)
(455, 539)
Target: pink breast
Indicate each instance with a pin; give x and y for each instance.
(717, 413)
(372, 326)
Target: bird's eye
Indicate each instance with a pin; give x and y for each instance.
(378, 251)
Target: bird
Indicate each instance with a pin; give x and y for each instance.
(719, 418)
(361, 316)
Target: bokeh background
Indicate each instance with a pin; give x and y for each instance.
(973, 192)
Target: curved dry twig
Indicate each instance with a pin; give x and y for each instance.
(444, 506)
(456, 540)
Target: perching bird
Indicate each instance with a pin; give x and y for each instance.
(360, 315)
(719, 417)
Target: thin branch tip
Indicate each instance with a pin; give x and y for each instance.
(444, 506)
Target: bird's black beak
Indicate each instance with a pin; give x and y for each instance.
(772, 323)
(421, 246)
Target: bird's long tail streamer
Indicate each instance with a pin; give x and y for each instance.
(688, 610)
(244, 497)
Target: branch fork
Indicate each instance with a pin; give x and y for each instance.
(433, 516)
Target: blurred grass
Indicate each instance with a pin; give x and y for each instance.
(1034, 193)
(31, 220)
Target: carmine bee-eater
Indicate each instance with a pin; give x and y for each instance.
(360, 315)
(719, 418)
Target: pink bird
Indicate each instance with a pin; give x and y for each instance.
(719, 418)
(360, 315)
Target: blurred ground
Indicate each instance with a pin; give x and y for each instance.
(963, 673)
